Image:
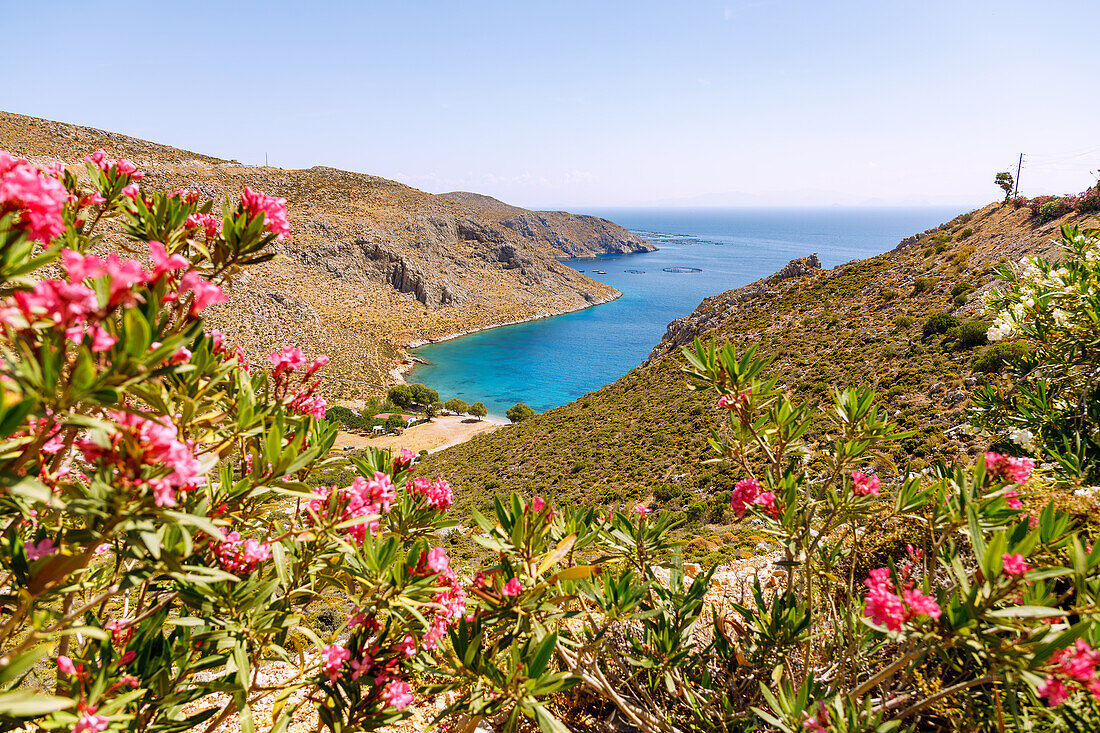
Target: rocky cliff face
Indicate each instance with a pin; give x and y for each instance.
(371, 264)
(565, 234)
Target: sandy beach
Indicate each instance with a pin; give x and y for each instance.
(441, 432)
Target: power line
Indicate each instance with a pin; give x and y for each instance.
(1019, 167)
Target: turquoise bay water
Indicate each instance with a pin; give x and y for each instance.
(553, 361)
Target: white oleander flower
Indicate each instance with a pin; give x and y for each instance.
(1023, 438)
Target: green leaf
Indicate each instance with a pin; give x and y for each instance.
(28, 704)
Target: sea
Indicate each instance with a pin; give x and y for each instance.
(701, 252)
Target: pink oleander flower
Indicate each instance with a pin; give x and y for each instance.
(89, 722)
(152, 444)
(437, 494)
(91, 199)
(407, 646)
(818, 722)
(403, 459)
(37, 198)
(239, 556)
(127, 168)
(333, 658)
(131, 191)
(1077, 662)
(885, 608)
(180, 357)
(438, 562)
(128, 657)
(271, 208)
(865, 485)
(207, 222)
(319, 362)
(188, 195)
(289, 359)
(642, 510)
(920, 604)
(726, 401)
(65, 665)
(37, 550)
(164, 263)
(915, 553)
(1014, 564)
(1011, 501)
(1007, 468)
(101, 340)
(99, 160)
(537, 504)
(767, 504)
(744, 495)
(513, 587)
(206, 292)
(398, 694)
(1054, 691)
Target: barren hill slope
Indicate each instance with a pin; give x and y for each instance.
(572, 235)
(370, 266)
(644, 436)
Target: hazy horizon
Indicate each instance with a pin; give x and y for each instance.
(575, 105)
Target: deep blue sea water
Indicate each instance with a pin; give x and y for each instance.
(553, 361)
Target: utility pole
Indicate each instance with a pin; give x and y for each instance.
(1019, 167)
(265, 159)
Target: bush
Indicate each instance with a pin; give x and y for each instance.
(519, 412)
(887, 294)
(939, 322)
(971, 334)
(997, 356)
(961, 288)
(923, 284)
(959, 300)
(903, 321)
(965, 233)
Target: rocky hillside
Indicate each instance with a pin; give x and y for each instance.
(371, 264)
(644, 436)
(569, 235)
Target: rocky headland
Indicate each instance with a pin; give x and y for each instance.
(567, 235)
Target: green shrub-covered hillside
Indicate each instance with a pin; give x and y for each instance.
(642, 437)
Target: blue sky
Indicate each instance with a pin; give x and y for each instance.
(585, 104)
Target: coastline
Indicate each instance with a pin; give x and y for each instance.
(410, 361)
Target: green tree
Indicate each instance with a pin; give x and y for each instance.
(478, 410)
(519, 412)
(394, 421)
(1005, 180)
(400, 395)
(422, 394)
(432, 409)
(457, 406)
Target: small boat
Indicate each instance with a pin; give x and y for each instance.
(599, 272)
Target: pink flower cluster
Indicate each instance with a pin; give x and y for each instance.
(370, 663)
(437, 494)
(451, 600)
(748, 493)
(38, 550)
(1014, 564)
(219, 347)
(1076, 665)
(1007, 468)
(364, 498)
(207, 222)
(239, 556)
(122, 167)
(272, 209)
(38, 198)
(864, 485)
(886, 608)
(141, 443)
(306, 401)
